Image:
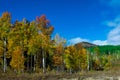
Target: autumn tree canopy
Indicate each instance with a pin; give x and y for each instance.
(29, 46)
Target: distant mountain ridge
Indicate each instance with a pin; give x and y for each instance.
(86, 44)
(104, 49)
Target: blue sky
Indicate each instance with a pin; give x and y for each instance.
(95, 21)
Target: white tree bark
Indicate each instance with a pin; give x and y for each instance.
(4, 56)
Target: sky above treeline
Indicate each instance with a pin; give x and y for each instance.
(95, 21)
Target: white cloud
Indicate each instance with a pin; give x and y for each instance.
(77, 40)
(114, 36)
(100, 42)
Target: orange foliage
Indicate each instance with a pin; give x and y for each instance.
(17, 62)
(57, 60)
(44, 25)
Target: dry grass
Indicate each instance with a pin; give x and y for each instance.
(52, 75)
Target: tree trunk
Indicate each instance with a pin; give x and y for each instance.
(43, 61)
(4, 56)
(31, 62)
(34, 66)
(28, 64)
(62, 61)
(70, 71)
(88, 65)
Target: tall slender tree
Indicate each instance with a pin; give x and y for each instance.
(45, 29)
(5, 26)
(59, 51)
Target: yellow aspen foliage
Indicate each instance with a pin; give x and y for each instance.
(10, 46)
(108, 64)
(82, 58)
(5, 26)
(70, 57)
(1, 53)
(17, 62)
(1, 48)
(76, 59)
(57, 57)
(84, 53)
(96, 58)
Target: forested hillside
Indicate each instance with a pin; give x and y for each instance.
(108, 49)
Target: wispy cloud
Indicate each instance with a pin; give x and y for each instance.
(114, 34)
(100, 42)
(113, 23)
(111, 3)
(110, 23)
(77, 40)
(114, 3)
(113, 37)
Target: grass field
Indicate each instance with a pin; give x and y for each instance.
(112, 74)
